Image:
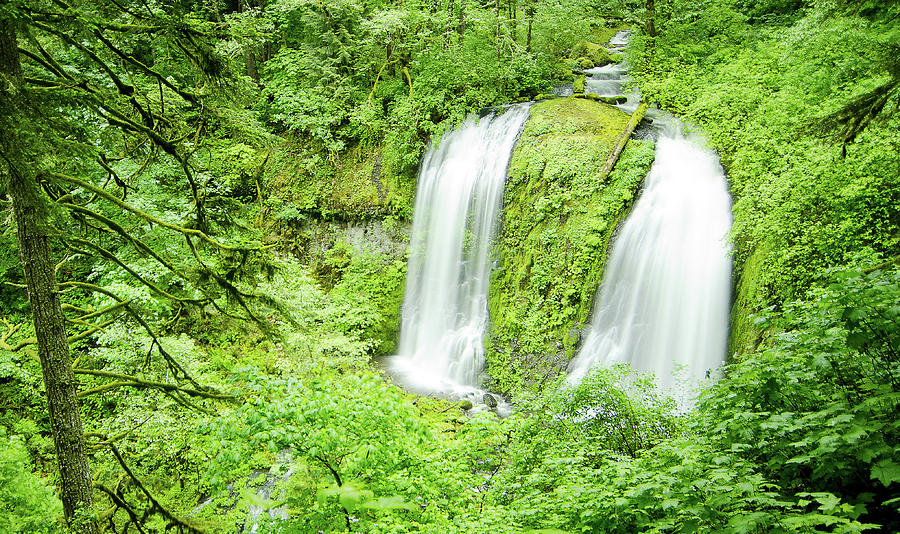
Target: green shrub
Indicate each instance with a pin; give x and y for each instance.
(27, 504)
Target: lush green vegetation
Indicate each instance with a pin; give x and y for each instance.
(198, 167)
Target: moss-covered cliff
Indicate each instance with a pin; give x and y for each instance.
(559, 215)
(354, 185)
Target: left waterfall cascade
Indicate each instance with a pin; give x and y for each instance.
(458, 203)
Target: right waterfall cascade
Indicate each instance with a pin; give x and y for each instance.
(663, 305)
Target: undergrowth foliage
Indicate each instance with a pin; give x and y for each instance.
(818, 408)
(800, 436)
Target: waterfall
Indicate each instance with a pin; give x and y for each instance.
(663, 304)
(458, 200)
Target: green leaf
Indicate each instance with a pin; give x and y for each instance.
(393, 502)
(350, 499)
(249, 497)
(886, 471)
(668, 504)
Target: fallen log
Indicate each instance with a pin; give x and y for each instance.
(623, 140)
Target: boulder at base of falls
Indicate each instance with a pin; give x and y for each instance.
(489, 400)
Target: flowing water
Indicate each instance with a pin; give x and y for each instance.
(663, 304)
(458, 202)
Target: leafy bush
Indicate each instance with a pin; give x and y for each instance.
(817, 410)
(363, 447)
(27, 504)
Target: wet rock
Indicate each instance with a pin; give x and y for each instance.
(613, 99)
(466, 405)
(574, 336)
(489, 400)
(578, 85)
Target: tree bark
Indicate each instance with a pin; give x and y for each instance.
(623, 139)
(497, 16)
(529, 12)
(249, 54)
(448, 32)
(513, 20)
(650, 24)
(462, 21)
(76, 488)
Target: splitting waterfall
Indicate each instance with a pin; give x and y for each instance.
(458, 201)
(663, 304)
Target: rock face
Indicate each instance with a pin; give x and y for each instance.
(559, 215)
(373, 236)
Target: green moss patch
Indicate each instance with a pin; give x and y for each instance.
(559, 215)
(603, 35)
(591, 54)
(352, 185)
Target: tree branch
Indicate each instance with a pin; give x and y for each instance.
(150, 218)
(140, 383)
(156, 507)
(173, 365)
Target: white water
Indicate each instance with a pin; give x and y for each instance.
(458, 201)
(663, 305)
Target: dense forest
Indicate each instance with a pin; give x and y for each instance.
(208, 207)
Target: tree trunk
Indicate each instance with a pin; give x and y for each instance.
(513, 20)
(497, 16)
(462, 20)
(250, 60)
(623, 139)
(76, 488)
(448, 32)
(249, 54)
(529, 12)
(650, 25)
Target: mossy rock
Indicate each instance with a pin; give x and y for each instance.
(601, 57)
(590, 55)
(562, 70)
(745, 335)
(613, 100)
(581, 49)
(559, 214)
(578, 84)
(603, 34)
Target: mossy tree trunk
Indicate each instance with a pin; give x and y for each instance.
(40, 277)
(461, 28)
(649, 23)
(529, 12)
(497, 18)
(513, 20)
